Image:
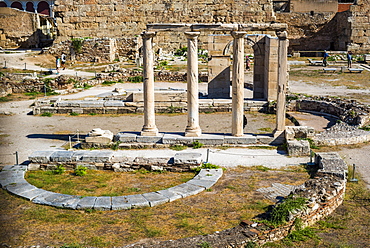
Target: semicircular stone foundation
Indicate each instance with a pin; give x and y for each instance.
(12, 179)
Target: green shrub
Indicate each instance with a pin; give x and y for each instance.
(108, 82)
(77, 44)
(196, 144)
(59, 170)
(80, 171)
(135, 79)
(206, 166)
(5, 99)
(280, 213)
(48, 114)
(178, 147)
(74, 114)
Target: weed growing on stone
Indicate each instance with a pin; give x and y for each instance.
(206, 166)
(280, 213)
(135, 79)
(196, 144)
(59, 170)
(47, 114)
(74, 114)
(178, 147)
(80, 171)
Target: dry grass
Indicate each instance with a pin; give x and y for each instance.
(106, 183)
(316, 75)
(232, 199)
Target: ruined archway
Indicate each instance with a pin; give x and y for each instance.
(3, 4)
(30, 7)
(43, 8)
(16, 5)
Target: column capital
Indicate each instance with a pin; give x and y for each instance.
(238, 34)
(282, 35)
(192, 35)
(148, 34)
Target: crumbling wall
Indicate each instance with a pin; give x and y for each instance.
(126, 19)
(18, 29)
(360, 27)
(98, 49)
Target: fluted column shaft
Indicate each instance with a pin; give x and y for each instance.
(238, 84)
(282, 82)
(193, 128)
(149, 128)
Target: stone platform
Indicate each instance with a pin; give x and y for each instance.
(12, 179)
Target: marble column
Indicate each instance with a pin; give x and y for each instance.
(282, 83)
(238, 84)
(149, 128)
(193, 128)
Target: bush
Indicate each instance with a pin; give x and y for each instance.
(48, 114)
(59, 170)
(197, 144)
(80, 171)
(74, 114)
(135, 79)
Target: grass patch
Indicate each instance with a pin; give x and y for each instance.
(47, 114)
(178, 147)
(105, 183)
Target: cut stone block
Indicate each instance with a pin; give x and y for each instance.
(201, 183)
(61, 156)
(44, 198)
(20, 188)
(174, 139)
(149, 139)
(137, 201)
(155, 199)
(103, 203)
(114, 104)
(125, 137)
(298, 147)
(120, 203)
(210, 139)
(58, 200)
(209, 174)
(188, 158)
(243, 140)
(265, 138)
(42, 157)
(186, 190)
(171, 195)
(97, 156)
(87, 202)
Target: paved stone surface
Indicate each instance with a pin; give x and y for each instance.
(171, 195)
(87, 202)
(277, 191)
(103, 203)
(137, 201)
(155, 198)
(120, 203)
(186, 189)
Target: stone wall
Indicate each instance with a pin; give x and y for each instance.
(359, 20)
(98, 49)
(18, 28)
(126, 19)
(348, 111)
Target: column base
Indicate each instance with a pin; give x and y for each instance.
(193, 132)
(237, 134)
(146, 131)
(277, 134)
